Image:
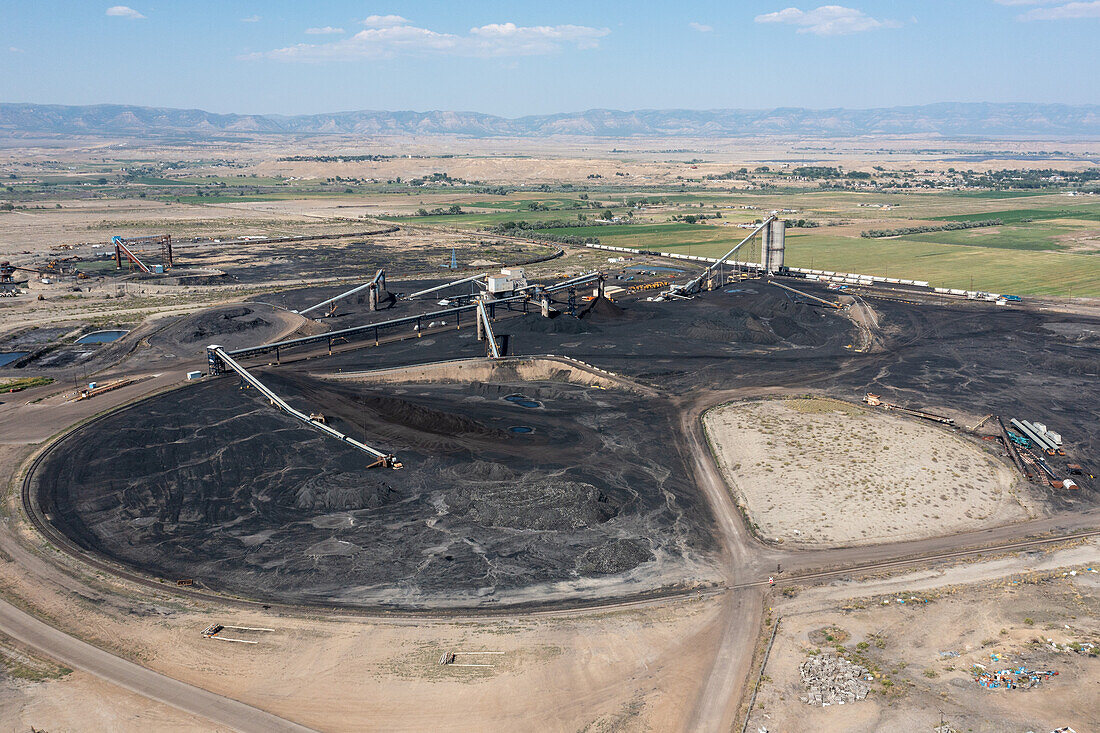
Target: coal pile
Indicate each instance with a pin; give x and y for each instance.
(561, 323)
(210, 483)
(534, 503)
(768, 318)
(614, 556)
(218, 323)
(601, 309)
(343, 491)
(231, 326)
(734, 326)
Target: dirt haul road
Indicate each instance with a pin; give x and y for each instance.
(716, 708)
(75, 653)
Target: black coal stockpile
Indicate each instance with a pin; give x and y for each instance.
(559, 323)
(230, 326)
(601, 309)
(533, 503)
(221, 322)
(768, 318)
(211, 483)
(614, 556)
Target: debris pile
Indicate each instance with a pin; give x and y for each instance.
(1016, 678)
(1081, 647)
(832, 680)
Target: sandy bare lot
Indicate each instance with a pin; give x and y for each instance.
(80, 702)
(819, 473)
(920, 654)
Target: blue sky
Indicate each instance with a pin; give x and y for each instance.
(519, 57)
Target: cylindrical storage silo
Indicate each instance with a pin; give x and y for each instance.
(776, 244)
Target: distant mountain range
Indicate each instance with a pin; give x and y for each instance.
(950, 120)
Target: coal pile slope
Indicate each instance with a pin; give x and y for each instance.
(717, 340)
(231, 326)
(210, 483)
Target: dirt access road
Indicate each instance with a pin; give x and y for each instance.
(77, 654)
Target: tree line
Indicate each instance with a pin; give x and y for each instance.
(950, 226)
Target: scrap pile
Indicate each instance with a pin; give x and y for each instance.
(832, 680)
(1018, 678)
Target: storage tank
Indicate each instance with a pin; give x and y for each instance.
(773, 245)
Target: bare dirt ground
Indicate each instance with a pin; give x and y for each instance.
(97, 220)
(80, 702)
(920, 635)
(632, 669)
(819, 472)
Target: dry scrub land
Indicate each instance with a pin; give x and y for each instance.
(821, 473)
(921, 653)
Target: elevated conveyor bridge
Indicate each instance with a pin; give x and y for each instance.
(220, 361)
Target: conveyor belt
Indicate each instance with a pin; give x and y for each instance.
(384, 459)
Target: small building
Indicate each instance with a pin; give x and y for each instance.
(507, 282)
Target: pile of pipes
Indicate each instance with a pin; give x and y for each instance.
(832, 680)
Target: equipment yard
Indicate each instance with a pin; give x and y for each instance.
(271, 449)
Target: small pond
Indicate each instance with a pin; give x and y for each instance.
(101, 337)
(523, 401)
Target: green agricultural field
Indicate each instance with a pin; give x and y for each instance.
(1089, 212)
(1036, 237)
(1018, 272)
(1026, 256)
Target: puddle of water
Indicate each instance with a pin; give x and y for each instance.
(523, 401)
(11, 356)
(101, 337)
(521, 429)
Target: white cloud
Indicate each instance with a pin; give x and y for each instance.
(15, 49)
(828, 20)
(325, 31)
(384, 21)
(251, 19)
(123, 11)
(1027, 2)
(391, 36)
(1068, 11)
(701, 27)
